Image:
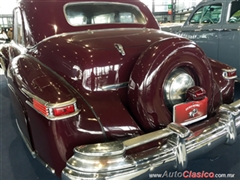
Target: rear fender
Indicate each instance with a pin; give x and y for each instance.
(40, 89)
(225, 84)
(38, 80)
(33, 83)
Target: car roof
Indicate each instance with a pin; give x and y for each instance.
(46, 17)
(209, 1)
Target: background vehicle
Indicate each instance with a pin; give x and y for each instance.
(214, 25)
(100, 92)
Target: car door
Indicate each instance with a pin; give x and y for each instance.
(229, 40)
(205, 24)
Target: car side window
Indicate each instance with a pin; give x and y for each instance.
(210, 14)
(235, 12)
(18, 28)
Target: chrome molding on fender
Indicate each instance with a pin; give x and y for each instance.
(181, 145)
(25, 140)
(33, 153)
(120, 49)
(229, 73)
(115, 86)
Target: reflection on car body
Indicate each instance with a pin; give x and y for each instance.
(97, 96)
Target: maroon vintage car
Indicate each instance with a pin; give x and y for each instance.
(100, 92)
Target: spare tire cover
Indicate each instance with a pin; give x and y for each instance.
(146, 91)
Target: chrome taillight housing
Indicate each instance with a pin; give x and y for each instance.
(176, 85)
(52, 111)
(229, 73)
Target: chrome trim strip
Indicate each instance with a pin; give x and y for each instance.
(28, 144)
(228, 11)
(229, 78)
(230, 70)
(33, 153)
(49, 168)
(120, 49)
(109, 160)
(115, 86)
(194, 120)
(146, 138)
(50, 105)
(225, 71)
(11, 88)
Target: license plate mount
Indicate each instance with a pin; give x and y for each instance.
(190, 112)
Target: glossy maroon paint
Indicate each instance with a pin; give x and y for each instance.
(80, 62)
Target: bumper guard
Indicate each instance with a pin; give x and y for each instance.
(109, 161)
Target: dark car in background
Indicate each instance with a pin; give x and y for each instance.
(100, 92)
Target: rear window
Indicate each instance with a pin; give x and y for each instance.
(79, 14)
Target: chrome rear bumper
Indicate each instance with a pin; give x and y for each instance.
(109, 161)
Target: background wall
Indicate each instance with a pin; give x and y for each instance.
(170, 10)
(183, 4)
(6, 6)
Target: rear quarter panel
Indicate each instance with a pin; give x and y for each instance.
(229, 46)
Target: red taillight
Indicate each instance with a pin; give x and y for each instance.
(55, 111)
(60, 111)
(40, 107)
(230, 73)
(52, 111)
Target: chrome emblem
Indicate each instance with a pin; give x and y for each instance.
(193, 113)
(120, 49)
